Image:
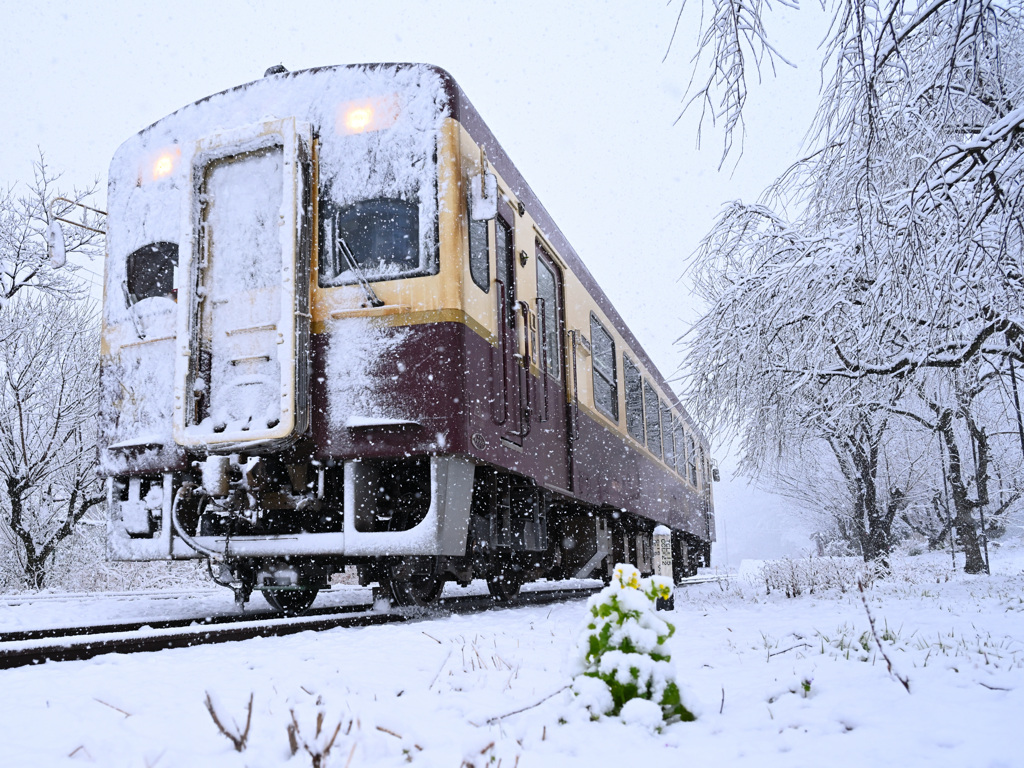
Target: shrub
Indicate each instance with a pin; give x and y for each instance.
(797, 576)
(623, 660)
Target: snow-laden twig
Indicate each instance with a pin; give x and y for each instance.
(903, 679)
(319, 747)
(496, 718)
(239, 737)
(118, 709)
(791, 648)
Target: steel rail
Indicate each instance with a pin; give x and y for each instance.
(22, 635)
(21, 598)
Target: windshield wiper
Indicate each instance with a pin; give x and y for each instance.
(350, 259)
(132, 313)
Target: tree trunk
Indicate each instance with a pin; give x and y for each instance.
(858, 459)
(968, 534)
(35, 573)
(38, 555)
(35, 561)
(966, 530)
(876, 540)
(879, 528)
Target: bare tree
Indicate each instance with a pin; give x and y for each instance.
(896, 246)
(48, 401)
(48, 374)
(25, 214)
(732, 37)
(952, 405)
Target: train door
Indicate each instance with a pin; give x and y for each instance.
(511, 408)
(243, 378)
(552, 405)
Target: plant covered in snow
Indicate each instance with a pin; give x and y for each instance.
(624, 667)
(807, 575)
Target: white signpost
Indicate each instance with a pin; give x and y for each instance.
(663, 561)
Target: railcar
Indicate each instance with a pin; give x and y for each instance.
(339, 329)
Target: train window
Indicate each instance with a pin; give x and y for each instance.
(653, 413)
(382, 235)
(666, 430)
(150, 272)
(677, 433)
(547, 309)
(479, 256)
(634, 399)
(606, 392)
(691, 455)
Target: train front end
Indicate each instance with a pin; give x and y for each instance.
(272, 252)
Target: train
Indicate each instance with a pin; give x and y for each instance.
(339, 329)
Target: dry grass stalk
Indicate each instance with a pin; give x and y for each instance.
(117, 709)
(317, 754)
(239, 737)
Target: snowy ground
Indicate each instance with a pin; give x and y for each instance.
(446, 690)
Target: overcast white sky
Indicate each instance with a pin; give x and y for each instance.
(576, 92)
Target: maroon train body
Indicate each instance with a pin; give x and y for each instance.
(425, 383)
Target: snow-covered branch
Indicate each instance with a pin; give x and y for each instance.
(25, 213)
(48, 402)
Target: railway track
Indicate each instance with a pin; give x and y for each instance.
(52, 633)
(115, 639)
(29, 647)
(36, 646)
(26, 598)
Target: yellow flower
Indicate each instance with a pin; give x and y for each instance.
(627, 576)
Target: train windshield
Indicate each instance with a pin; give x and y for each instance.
(378, 199)
(151, 272)
(379, 238)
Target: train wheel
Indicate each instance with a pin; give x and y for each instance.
(412, 581)
(291, 602)
(419, 590)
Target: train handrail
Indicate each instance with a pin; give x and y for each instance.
(525, 408)
(575, 335)
(542, 331)
(524, 309)
(502, 309)
(524, 392)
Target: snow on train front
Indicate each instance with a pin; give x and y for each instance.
(215, 213)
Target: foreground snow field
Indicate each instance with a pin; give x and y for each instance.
(775, 682)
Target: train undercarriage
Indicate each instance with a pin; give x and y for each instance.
(408, 525)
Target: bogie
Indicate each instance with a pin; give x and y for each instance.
(290, 602)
